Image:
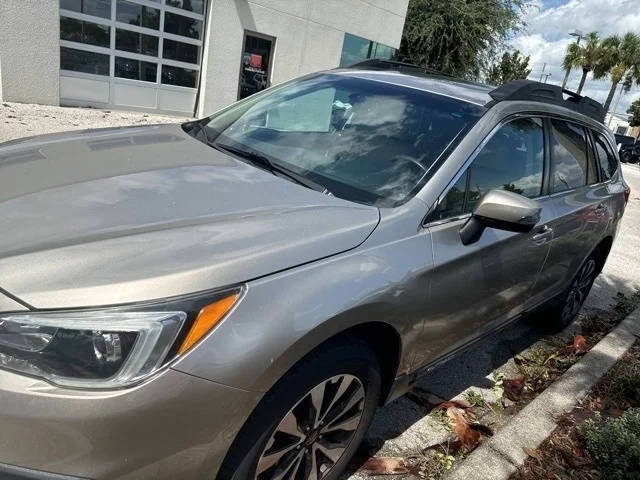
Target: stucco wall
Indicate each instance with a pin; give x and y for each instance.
(29, 52)
(308, 33)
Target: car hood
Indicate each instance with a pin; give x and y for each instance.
(129, 214)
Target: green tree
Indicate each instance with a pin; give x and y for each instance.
(458, 37)
(585, 56)
(512, 66)
(620, 61)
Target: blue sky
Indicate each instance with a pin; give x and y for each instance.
(546, 37)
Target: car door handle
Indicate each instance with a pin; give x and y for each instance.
(545, 233)
(601, 210)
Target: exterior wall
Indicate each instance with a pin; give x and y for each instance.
(308, 37)
(614, 122)
(29, 52)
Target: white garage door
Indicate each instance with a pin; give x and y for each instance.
(131, 54)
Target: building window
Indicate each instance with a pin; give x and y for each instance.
(191, 5)
(97, 8)
(139, 15)
(135, 42)
(180, 51)
(82, 31)
(356, 49)
(181, 25)
(135, 69)
(182, 77)
(83, 61)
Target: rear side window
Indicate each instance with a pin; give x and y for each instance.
(513, 159)
(569, 166)
(606, 159)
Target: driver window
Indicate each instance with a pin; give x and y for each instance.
(513, 159)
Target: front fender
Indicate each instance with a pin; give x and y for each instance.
(286, 315)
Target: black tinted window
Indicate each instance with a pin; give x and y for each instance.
(512, 160)
(453, 202)
(568, 156)
(592, 168)
(606, 159)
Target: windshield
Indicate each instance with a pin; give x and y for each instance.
(362, 140)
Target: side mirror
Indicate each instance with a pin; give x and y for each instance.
(503, 210)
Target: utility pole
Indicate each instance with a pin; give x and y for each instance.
(579, 34)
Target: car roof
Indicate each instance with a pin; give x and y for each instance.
(422, 78)
(439, 84)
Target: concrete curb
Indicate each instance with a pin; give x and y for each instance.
(502, 454)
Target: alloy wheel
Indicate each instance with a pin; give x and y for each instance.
(314, 434)
(579, 291)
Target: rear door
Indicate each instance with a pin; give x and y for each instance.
(578, 199)
(474, 287)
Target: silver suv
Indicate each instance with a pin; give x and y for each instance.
(232, 298)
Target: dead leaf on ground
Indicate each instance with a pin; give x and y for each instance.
(384, 466)
(579, 345)
(513, 388)
(532, 452)
(469, 437)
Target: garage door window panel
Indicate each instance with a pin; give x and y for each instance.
(180, 51)
(135, 69)
(196, 6)
(82, 61)
(138, 15)
(97, 8)
(135, 42)
(181, 77)
(181, 25)
(81, 31)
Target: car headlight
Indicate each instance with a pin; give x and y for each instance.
(107, 348)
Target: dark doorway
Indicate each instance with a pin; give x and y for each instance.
(256, 64)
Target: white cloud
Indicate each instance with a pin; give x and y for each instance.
(546, 38)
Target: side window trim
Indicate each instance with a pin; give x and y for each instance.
(464, 169)
(612, 151)
(592, 148)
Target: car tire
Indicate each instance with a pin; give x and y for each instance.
(626, 157)
(347, 373)
(564, 309)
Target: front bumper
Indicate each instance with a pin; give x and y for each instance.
(172, 426)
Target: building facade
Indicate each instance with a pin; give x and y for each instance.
(184, 57)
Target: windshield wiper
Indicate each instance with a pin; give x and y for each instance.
(261, 160)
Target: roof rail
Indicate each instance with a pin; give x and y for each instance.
(547, 93)
(383, 64)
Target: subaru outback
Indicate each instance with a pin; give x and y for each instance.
(233, 297)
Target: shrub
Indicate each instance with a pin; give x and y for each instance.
(614, 445)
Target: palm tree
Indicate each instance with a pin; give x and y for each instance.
(583, 56)
(620, 60)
